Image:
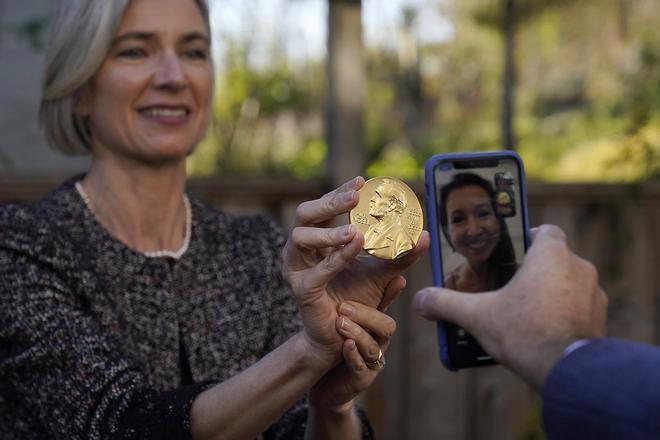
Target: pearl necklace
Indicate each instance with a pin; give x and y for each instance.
(154, 254)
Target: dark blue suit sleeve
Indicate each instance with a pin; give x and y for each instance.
(608, 389)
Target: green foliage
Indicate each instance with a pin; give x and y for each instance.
(265, 121)
(624, 158)
(310, 162)
(587, 97)
(491, 12)
(396, 160)
(593, 124)
(441, 107)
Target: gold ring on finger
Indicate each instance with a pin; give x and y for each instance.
(378, 363)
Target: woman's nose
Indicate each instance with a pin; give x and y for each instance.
(169, 72)
(473, 227)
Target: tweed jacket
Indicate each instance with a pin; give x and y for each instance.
(98, 340)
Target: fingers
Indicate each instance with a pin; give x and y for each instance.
(436, 303)
(371, 329)
(548, 245)
(598, 307)
(604, 299)
(475, 312)
(361, 375)
(336, 202)
(355, 184)
(318, 238)
(368, 347)
(392, 291)
(532, 233)
(320, 274)
(547, 232)
(352, 357)
(321, 210)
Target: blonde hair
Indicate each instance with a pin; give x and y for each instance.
(80, 36)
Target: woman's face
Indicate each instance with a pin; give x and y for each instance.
(473, 227)
(149, 100)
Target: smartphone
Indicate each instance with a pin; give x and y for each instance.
(476, 207)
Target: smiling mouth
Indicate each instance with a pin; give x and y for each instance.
(158, 112)
(477, 245)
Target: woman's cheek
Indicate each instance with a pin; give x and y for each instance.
(491, 226)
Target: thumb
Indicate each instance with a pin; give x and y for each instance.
(437, 303)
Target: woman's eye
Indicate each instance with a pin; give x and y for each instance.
(196, 54)
(456, 219)
(133, 52)
(484, 213)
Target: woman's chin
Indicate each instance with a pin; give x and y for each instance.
(478, 256)
(476, 261)
(164, 154)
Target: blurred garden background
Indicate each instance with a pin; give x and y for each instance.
(573, 86)
(310, 92)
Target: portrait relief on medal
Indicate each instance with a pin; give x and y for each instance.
(390, 217)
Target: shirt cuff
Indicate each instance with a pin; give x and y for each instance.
(576, 345)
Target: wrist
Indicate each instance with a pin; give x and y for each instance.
(536, 366)
(332, 412)
(311, 356)
(554, 357)
(341, 421)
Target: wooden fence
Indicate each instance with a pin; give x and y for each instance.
(614, 226)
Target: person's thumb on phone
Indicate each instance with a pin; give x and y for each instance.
(468, 310)
(438, 303)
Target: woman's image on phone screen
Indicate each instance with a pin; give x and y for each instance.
(478, 222)
(473, 227)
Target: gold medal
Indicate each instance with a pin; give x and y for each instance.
(390, 217)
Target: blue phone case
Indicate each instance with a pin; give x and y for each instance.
(432, 222)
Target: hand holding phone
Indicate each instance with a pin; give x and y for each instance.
(526, 324)
(477, 217)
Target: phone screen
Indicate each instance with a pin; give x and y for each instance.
(481, 233)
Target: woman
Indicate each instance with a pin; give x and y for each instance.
(131, 309)
(472, 226)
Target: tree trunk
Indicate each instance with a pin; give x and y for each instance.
(345, 94)
(624, 13)
(509, 75)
